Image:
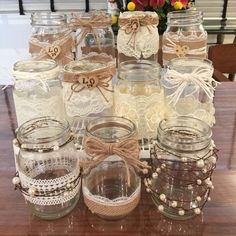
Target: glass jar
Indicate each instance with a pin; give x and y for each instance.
(51, 38)
(189, 88)
(139, 97)
(183, 159)
(93, 33)
(37, 90)
(48, 167)
(111, 186)
(184, 36)
(138, 36)
(87, 86)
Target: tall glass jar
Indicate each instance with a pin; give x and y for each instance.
(183, 159)
(138, 36)
(184, 36)
(48, 167)
(93, 33)
(111, 185)
(139, 97)
(189, 88)
(37, 90)
(87, 86)
(51, 38)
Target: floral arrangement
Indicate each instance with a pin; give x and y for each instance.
(161, 7)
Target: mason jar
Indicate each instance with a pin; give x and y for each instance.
(87, 86)
(93, 33)
(138, 36)
(185, 35)
(111, 185)
(51, 38)
(139, 97)
(183, 159)
(37, 90)
(189, 88)
(48, 167)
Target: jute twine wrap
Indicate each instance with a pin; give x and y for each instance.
(131, 25)
(98, 78)
(89, 25)
(59, 50)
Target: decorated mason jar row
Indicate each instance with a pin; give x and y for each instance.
(51, 171)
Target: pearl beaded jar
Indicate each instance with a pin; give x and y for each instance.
(48, 168)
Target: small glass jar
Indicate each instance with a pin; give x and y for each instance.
(138, 36)
(189, 88)
(184, 36)
(48, 167)
(37, 90)
(93, 33)
(87, 86)
(139, 97)
(111, 186)
(183, 159)
(51, 38)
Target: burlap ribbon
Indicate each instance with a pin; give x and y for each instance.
(128, 150)
(133, 25)
(89, 25)
(59, 50)
(99, 78)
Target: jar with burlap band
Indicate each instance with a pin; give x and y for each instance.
(184, 36)
(138, 36)
(87, 86)
(51, 38)
(111, 185)
(37, 90)
(93, 33)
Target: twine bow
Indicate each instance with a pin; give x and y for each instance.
(200, 77)
(128, 150)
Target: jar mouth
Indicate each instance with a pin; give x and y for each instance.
(48, 18)
(43, 133)
(134, 70)
(111, 128)
(184, 134)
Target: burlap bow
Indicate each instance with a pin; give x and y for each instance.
(89, 26)
(128, 150)
(59, 50)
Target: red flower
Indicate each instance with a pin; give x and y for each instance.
(157, 3)
(184, 2)
(140, 4)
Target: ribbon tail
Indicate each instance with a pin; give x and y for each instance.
(102, 94)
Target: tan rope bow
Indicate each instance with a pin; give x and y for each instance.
(89, 26)
(128, 150)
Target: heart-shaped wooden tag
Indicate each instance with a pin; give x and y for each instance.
(88, 82)
(181, 51)
(53, 51)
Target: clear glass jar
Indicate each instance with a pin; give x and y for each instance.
(189, 88)
(138, 36)
(51, 38)
(139, 97)
(87, 86)
(37, 90)
(93, 33)
(48, 167)
(183, 159)
(111, 187)
(184, 36)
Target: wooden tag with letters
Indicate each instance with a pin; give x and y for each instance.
(53, 51)
(88, 82)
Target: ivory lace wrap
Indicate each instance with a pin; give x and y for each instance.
(138, 35)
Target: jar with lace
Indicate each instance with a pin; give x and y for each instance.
(183, 160)
(51, 38)
(184, 36)
(111, 185)
(37, 90)
(138, 36)
(189, 88)
(93, 33)
(139, 97)
(87, 86)
(48, 168)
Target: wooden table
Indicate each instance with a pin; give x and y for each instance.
(219, 216)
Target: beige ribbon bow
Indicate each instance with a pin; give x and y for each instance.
(128, 150)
